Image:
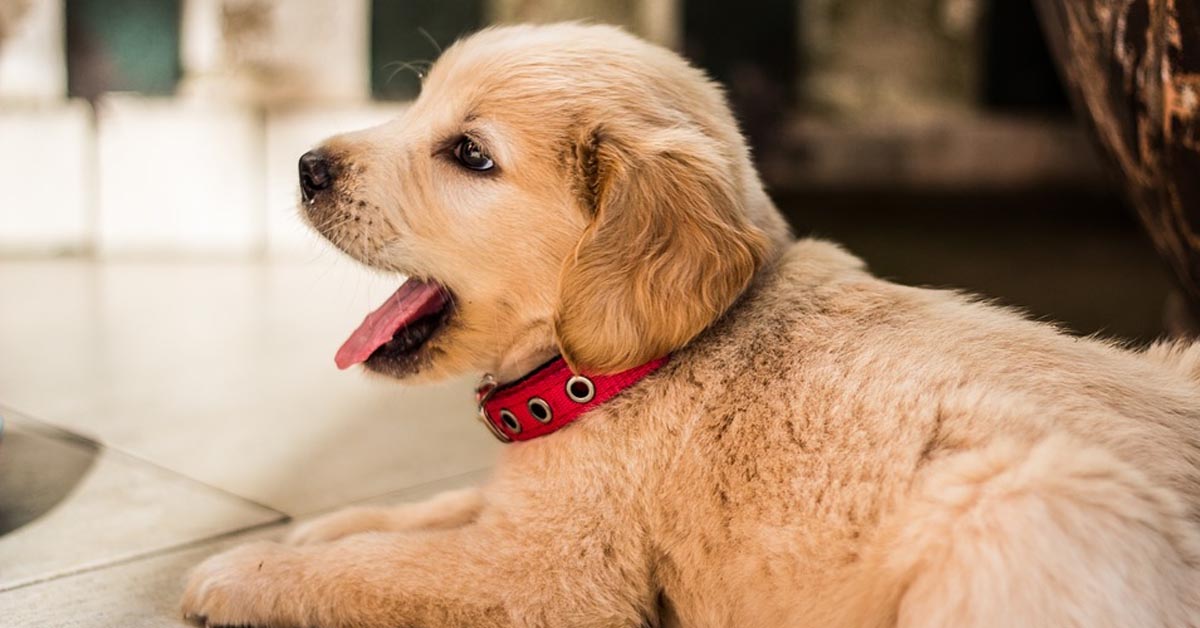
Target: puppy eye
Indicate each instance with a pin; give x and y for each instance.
(471, 155)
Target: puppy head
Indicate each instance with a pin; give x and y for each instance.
(555, 189)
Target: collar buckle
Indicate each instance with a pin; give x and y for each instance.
(483, 392)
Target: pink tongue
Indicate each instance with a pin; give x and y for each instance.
(412, 301)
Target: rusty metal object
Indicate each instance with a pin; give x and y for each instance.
(1133, 69)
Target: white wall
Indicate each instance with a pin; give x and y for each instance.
(159, 175)
(178, 177)
(45, 177)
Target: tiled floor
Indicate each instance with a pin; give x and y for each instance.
(157, 412)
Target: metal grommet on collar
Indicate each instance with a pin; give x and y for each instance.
(510, 422)
(540, 410)
(580, 389)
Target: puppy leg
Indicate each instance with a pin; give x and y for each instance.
(1055, 535)
(447, 510)
(497, 571)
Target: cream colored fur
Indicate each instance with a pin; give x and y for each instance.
(824, 448)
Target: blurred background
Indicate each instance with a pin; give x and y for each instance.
(168, 325)
(932, 137)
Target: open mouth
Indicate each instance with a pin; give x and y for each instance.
(398, 329)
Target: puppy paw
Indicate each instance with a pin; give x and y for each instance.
(246, 586)
(337, 525)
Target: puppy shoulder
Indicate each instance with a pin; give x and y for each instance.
(1181, 356)
(811, 259)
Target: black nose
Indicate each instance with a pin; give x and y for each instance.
(315, 174)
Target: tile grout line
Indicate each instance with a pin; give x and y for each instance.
(179, 547)
(158, 468)
(51, 429)
(154, 553)
(286, 516)
(396, 492)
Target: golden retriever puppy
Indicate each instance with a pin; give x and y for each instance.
(822, 448)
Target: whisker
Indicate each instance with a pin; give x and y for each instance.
(408, 65)
(430, 39)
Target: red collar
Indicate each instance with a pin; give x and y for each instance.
(549, 398)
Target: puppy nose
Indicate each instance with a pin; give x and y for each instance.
(315, 174)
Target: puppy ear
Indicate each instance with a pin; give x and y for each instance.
(668, 249)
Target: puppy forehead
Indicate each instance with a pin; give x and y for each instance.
(525, 88)
(525, 50)
(492, 104)
(534, 67)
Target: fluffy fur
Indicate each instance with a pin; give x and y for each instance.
(824, 449)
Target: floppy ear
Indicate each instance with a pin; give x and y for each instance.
(668, 249)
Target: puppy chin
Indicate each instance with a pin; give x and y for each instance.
(416, 369)
(438, 360)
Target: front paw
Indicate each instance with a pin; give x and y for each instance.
(249, 585)
(337, 525)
